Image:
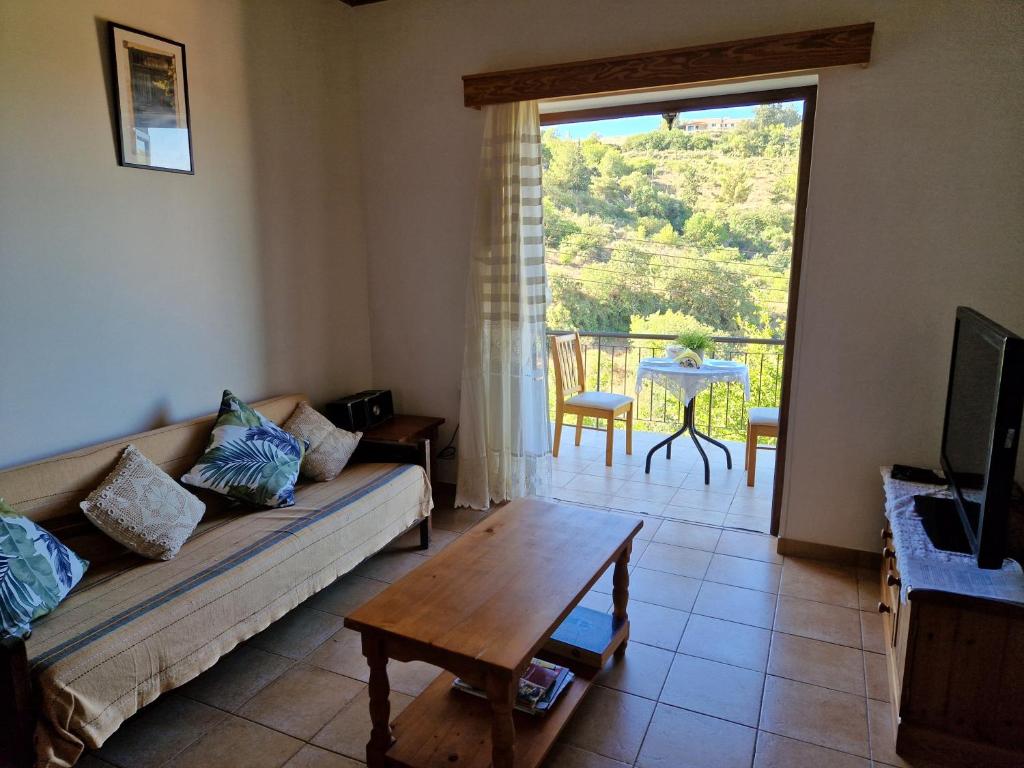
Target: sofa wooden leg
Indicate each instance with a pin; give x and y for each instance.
(425, 533)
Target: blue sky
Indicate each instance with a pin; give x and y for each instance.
(627, 126)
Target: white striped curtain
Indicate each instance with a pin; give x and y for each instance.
(504, 432)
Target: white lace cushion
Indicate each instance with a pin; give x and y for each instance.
(142, 507)
(330, 447)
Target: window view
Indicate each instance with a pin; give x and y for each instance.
(654, 230)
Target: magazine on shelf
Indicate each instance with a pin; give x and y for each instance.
(539, 687)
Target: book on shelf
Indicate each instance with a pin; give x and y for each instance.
(539, 687)
(584, 636)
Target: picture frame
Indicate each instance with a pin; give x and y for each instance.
(154, 125)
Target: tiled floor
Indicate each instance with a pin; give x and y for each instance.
(675, 487)
(738, 659)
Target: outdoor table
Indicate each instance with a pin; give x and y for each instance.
(686, 384)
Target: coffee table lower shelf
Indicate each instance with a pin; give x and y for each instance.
(444, 728)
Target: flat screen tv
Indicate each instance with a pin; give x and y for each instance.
(980, 435)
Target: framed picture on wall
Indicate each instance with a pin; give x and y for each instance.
(151, 92)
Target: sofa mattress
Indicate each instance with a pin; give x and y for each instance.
(132, 632)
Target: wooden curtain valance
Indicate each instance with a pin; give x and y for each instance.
(775, 54)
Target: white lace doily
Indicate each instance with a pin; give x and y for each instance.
(922, 566)
(687, 383)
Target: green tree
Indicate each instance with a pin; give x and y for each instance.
(594, 150)
(761, 231)
(613, 164)
(667, 235)
(558, 224)
(642, 194)
(568, 171)
(712, 294)
(691, 179)
(689, 198)
(776, 114)
(734, 185)
(668, 322)
(648, 226)
(705, 230)
(783, 189)
(581, 247)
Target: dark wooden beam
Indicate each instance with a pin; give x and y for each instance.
(354, 3)
(775, 54)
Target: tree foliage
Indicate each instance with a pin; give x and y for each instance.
(668, 227)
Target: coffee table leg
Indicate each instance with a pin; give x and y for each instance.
(620, 593)
(380, 707)
(502, 695)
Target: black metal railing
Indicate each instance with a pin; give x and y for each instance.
(611, 361)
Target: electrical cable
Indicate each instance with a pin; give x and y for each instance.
(669, 269)
(448, 452)
(549, 228)
(663, 293)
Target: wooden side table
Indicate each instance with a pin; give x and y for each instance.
(405, 439)
(405, 429)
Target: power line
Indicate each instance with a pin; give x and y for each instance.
(661, 293)
(670, 255)
(686, 244)
(677, 267)
(725, 262)
(639, 277)
(728, 263)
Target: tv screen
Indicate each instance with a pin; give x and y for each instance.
(980, 434)
(971, 414)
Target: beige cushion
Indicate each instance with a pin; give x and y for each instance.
(142, 507)
(330, 447)
(764, 416)
(604, 400)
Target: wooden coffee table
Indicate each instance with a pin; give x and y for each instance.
(482, 608)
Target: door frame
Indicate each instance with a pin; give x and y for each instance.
(808, 94)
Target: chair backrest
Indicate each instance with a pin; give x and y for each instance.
(570, 374)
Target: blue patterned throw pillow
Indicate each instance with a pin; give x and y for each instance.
(248, 458)
(36, 572)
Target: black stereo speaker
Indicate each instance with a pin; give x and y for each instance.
(361, 411)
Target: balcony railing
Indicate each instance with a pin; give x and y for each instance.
(611, 361)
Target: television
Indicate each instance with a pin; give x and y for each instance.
(980, 435)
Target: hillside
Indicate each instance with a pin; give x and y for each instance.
(665, 230)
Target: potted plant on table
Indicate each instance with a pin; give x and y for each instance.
(695, 341)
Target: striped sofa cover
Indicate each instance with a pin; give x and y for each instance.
(135, 628)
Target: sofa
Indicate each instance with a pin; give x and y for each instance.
(136, 628)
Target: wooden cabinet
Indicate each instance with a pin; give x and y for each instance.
(956, 672)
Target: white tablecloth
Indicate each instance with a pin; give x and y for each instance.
(687, 383)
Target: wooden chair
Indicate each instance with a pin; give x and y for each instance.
(571, 396)
(761, 422)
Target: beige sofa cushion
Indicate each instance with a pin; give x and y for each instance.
(142, 507)
(330, 447)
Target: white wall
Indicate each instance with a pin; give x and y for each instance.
(130, 298)
(916, 198)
